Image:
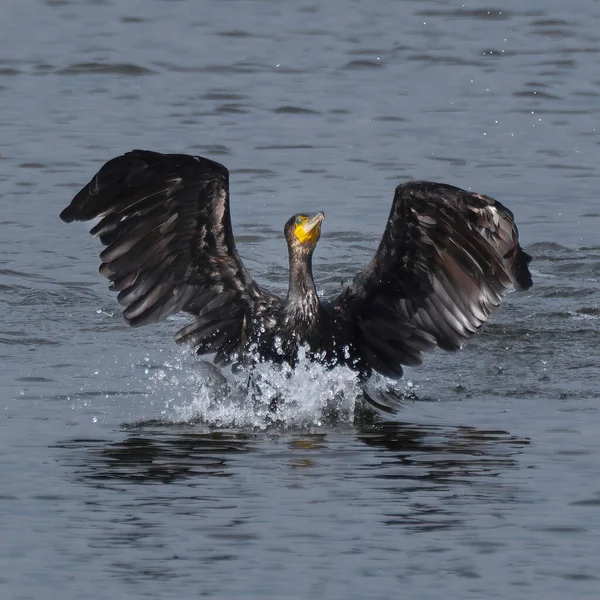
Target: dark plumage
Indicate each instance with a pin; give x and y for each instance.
(443, 264)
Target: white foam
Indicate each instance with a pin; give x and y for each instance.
(307, 395)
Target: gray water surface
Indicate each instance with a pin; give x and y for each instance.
(130, 471)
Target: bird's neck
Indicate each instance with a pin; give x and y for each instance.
(302, 300)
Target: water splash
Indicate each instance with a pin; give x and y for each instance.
(304, 396)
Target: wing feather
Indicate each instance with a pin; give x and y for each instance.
(166, 225)
(446, 258)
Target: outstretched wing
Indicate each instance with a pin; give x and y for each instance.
(166, 226)
(445, 260)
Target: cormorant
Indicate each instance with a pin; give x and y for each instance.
(443, 264)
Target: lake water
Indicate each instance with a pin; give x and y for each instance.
(128, 472)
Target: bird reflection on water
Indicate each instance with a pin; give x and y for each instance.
(160, 452)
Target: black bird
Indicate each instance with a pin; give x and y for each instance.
(443, 264)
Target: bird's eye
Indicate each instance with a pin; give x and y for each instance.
(298, 220)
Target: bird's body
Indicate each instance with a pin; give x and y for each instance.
(445, 259)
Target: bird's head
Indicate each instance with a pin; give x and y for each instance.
(302, 232)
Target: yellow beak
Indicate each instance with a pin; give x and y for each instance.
(310, 230)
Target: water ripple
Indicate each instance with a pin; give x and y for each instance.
(125, 69)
